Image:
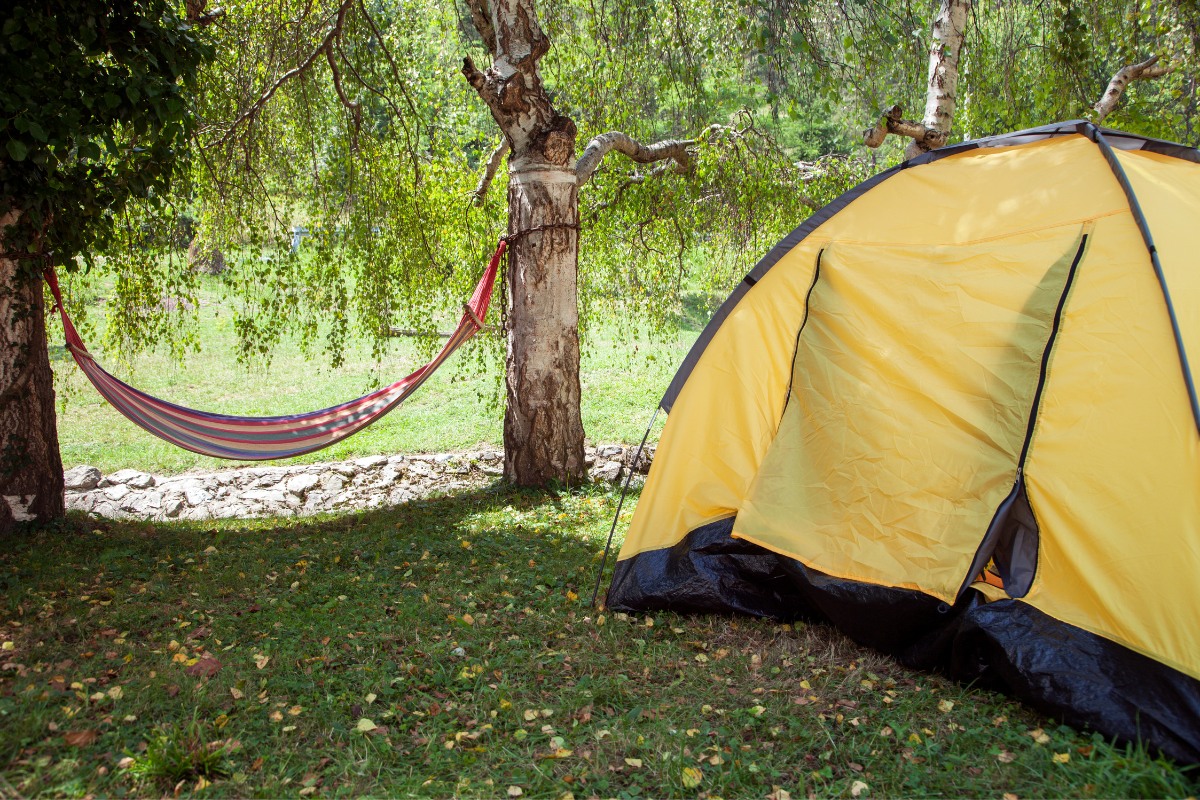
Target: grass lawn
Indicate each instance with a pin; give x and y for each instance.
(460, 407)
(446, 648)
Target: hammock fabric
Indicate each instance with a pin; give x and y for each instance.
(262, 438)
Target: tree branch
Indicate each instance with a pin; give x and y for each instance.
(489, 172)
(481, 17)
(675, 149)
(892, 121)
(249, 114)
(1150, 68)
(354, 108)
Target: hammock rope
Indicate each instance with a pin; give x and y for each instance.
(263, 438)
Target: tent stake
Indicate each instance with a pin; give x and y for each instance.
(628, 477)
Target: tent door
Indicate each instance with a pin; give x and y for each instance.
(1011, 541)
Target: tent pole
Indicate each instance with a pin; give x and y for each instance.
(628, 477)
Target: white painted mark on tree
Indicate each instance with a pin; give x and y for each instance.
(19, 506)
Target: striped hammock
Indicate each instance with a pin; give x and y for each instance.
(262, 438)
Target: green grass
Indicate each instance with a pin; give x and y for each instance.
(458, 408)
(315, 626)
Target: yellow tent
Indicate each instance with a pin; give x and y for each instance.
(952, 413)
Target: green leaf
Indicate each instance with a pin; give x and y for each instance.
(17, 150)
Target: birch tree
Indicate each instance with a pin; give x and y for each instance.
(543, 431)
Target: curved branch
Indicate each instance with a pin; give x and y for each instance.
(354, 108)
(893, 122)
(489, 172)
(1150, 68)
(675, 149)
(249, 114)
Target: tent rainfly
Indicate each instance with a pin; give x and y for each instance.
(952, 414)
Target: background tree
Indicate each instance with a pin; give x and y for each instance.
(93, 113)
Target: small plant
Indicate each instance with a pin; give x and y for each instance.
(178, 753)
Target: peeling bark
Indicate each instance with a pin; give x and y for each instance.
(941, 95)
(31, 475)
(1150, 68)
(543, 429)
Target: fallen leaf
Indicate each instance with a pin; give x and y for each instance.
(365, 726)
(116, 692)
(1061, 758)
(1005, 757)
(81, 738)
(779, 794)
(530, 715)
(858, 788)
(370, 698)
(945, 706)
(235, 692)
(172, 690)
(206, 667)
(260, 660)
(295, 711)
(636, 763)
(125, 763)
(1039, 736)
(515, 791)
(691, 777)
(275, 716)
(1010, 796)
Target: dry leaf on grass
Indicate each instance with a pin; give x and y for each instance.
(81, 738)
(206, 667)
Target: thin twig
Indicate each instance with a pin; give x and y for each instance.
(489, 172)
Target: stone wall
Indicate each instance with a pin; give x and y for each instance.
(364, 483)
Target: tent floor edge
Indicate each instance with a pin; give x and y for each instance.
(1008, 646)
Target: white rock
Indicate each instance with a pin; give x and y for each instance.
(371, 462)
(173, 506)
(132, 478)
(332, 482)
(346, 468)
(300, 484)
(420, 468)
(274, 497)
(607, 471)
(116, 491)
(145, 503)
(81, 479)
(196, 495)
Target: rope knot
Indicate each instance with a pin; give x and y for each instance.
(512, 237)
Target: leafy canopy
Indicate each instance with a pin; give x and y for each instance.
(94, 112)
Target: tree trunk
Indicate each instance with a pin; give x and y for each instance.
(543, 429)
(949, 28)
(31, 474)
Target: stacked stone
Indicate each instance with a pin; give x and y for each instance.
(364, 483)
